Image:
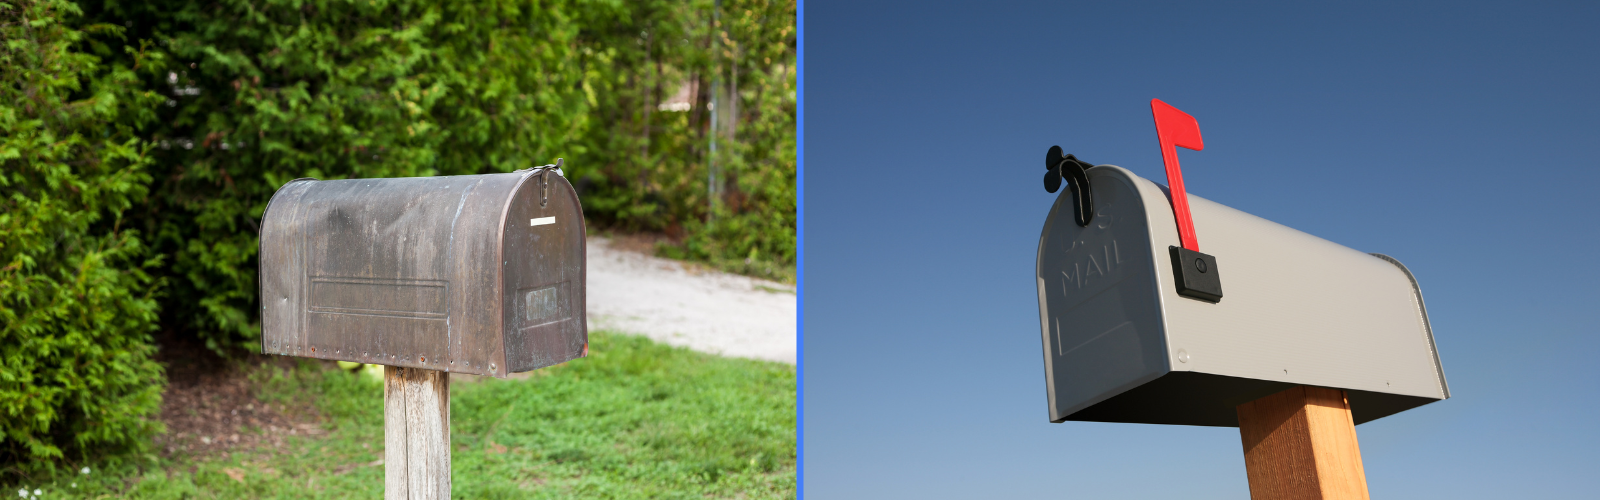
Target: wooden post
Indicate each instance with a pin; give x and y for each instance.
(416, 434)
(1301, 444)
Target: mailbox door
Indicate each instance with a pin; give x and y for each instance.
(543, 310)
(1099, 309)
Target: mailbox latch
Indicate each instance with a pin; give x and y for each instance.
(544, 181)
(1074, 170)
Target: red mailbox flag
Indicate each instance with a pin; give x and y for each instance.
(1176, 128)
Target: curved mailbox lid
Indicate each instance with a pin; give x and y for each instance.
(410, 271)
(1122, 345)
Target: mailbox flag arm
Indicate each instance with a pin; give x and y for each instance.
(1176, 129)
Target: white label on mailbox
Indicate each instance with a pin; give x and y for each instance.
(541, 221)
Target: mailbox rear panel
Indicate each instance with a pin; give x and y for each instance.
(1296, 310)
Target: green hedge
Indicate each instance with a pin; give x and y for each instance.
(77, 306)
(266, 92)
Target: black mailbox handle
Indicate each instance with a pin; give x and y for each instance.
(1074, 170)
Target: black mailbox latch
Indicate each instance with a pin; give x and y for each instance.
(1057, 167)
(1196, 275)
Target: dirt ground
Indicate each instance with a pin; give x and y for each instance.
(210, 405)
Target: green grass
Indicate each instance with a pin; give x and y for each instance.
(635, 419)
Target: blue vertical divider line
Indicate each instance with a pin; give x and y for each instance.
(800, 249)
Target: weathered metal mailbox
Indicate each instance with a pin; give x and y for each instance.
(478, 274)
(1135, 329)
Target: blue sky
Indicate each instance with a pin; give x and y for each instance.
(1459, 138)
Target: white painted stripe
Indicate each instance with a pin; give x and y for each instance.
(541, 221)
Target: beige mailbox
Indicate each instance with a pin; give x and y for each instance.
(1122, 345)
(1139, 326)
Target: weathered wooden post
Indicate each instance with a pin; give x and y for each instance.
(428, 276)
(1309, 339)
(416, 433)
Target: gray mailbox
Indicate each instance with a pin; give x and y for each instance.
(1124, 343)
(478, 274)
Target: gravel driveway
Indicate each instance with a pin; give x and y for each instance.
(688, 305)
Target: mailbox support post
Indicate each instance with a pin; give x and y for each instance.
(416, 434)
(1301, 444)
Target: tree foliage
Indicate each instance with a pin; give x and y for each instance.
(653, 169)
(77, 303)
(754, 215)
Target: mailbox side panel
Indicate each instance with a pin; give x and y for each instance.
(477, 345)
(374, 269)
(1099, 309)
(398, 272)
(543, 305)
(1297, 309)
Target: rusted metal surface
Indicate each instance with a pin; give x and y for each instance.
(479, 274)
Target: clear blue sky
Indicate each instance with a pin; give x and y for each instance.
(1458, 138)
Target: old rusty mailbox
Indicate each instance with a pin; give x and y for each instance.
(1139, 326)
(478, 274)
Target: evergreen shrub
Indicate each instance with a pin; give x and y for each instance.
(78, 302)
